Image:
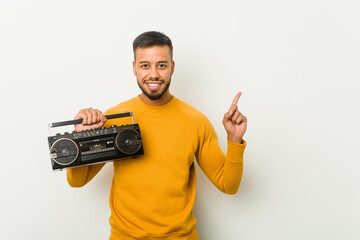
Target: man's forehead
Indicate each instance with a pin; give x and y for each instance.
(161, 53)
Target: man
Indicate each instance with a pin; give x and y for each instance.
(152, 197)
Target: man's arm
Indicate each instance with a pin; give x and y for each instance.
(79, 176)
(224, 171)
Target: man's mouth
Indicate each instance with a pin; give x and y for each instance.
(153, 85)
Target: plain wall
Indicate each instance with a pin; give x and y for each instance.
(296, 62)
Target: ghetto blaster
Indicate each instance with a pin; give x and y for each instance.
(73, 149)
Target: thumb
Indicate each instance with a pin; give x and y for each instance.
(103, 119)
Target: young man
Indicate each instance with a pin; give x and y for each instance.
(152, 197)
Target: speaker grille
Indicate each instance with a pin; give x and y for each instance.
(64, 151)
(127, 141)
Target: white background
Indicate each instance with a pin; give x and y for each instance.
(297, 63)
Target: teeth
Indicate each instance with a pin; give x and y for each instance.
(153, 84)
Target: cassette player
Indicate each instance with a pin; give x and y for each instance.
(73, 149)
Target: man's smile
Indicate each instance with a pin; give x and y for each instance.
(153, 85)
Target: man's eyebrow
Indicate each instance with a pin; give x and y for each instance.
(162, 61)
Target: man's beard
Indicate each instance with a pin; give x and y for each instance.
(153, 95)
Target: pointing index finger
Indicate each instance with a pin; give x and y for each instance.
(236, 99)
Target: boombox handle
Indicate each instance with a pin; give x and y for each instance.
(77, 121)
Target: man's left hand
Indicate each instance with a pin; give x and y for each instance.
(234, 122)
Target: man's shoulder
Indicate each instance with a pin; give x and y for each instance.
(121, 107)
(126, 106)
(190, 110)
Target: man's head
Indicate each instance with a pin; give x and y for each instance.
(152, 38)
(153, 66)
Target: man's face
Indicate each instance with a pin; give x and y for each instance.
(153, 68)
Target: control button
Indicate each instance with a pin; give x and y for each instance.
(113, 126)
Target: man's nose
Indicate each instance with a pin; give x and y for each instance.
(154, 73)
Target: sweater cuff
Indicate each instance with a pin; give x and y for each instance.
(235, 151)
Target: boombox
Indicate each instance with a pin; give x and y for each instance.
(73, 149)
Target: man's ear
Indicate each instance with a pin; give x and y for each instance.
(134, 68)
(172, 67)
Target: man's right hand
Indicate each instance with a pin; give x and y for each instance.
(92, 118)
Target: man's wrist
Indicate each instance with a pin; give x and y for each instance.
(235, 140)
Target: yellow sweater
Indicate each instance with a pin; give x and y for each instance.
(152, 197)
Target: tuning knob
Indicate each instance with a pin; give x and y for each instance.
(113, 126)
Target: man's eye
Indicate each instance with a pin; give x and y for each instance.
(162, 66)
(145, 65)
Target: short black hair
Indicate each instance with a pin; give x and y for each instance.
(152, 38)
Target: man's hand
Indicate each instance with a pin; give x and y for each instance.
(92, 118)
(234, 122)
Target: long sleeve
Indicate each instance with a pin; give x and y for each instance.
(79, 176)
(224, 171)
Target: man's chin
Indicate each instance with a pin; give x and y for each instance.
(155, 94)
(153, 97)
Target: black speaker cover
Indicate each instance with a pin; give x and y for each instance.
(64, 151)
(127, 141)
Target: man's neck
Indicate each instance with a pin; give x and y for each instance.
(162, 101)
